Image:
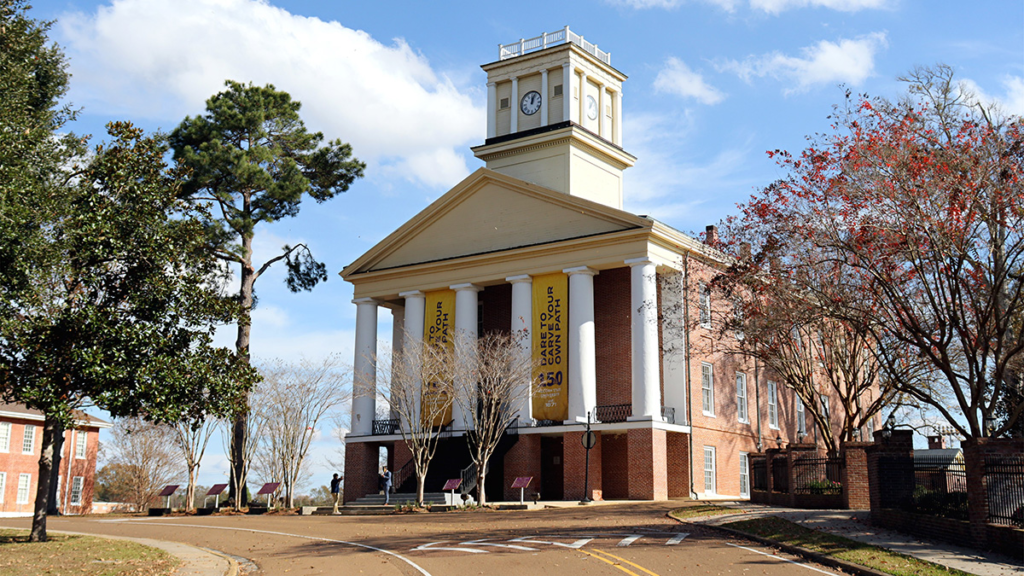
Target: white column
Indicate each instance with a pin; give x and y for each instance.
(582, 354)
(364, 400)
(492, 110)
(583, 100)
(415, 309)
(617, 118)
(465, 348)
(522, 327)
(567, 107)
(644, 327)
(544, 97)
(673, 363)
(514, 105)
(601, 100)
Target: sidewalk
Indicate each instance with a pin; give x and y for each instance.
(853, 524)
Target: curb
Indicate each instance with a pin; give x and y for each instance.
(843, 565)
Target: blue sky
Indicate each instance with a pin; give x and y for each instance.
(712, 85)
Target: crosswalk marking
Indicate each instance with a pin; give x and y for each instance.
(630, 539)
(433, 546)
(677, 538)
(481, 542)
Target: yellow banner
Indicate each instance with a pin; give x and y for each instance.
(438, 330)
(550, 346)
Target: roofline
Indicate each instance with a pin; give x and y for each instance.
(90, 423)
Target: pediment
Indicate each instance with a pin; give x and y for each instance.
(490, 212)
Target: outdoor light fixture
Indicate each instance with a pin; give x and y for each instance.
(778, 440)
(890, 425)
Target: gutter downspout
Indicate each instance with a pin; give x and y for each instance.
(686, 343)
(757, 402)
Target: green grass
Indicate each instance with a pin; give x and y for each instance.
(80, 555)
(700, 510)
(841, 548)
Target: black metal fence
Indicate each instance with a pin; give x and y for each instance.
(385, 427)
(933, 484)
(818, 475)
(1005, 476)
(613, 412)
(780, 474)
(758, 473)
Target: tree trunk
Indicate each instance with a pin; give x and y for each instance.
(242, 348)
(481, 492)
(50, 427)
(52, 508)
(190, 490)
(420, 482)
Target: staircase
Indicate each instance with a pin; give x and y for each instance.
(401, 498)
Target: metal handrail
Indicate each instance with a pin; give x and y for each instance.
(402, 475)
(613, 412)
(385, 427)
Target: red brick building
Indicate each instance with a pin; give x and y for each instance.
(616, 305)
(21, 439)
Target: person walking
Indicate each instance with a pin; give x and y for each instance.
(336, 491)
(386, 478)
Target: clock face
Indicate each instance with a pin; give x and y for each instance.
(530, 103)
(591, 108)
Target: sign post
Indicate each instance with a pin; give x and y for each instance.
(215, 491)
(522, 482)
(453, 485)
(589, 441)
(269, 488)
(167, 492)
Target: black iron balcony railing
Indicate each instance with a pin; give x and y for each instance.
(385, 427)
(613, 412)
(669, 414)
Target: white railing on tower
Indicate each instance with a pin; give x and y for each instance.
(547, 39)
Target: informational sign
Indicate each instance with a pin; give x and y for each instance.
(589, 439)
(452, 484)
(268, 488)
(550, 346)
(216, 489)
(168, 490)
(438, 330)
(522, 481)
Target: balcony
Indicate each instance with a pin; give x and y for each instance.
(548, 39)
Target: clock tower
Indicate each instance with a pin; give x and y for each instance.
(554, 116)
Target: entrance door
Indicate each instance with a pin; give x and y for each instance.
(551, 468)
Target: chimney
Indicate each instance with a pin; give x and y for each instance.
(936, 442)
(711, 236)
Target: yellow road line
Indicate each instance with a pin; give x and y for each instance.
(637, 566)
(609, 562)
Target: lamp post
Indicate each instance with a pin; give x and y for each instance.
(589, 440)
(778, 440)
(890, 425)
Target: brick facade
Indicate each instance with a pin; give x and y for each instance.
(523, 459)
(574, 455)
(613, 337)
(361, 469)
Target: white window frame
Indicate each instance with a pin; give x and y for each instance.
(707, 389)
(5, 437)
(704, 305)
(28, 441)
(24, 487)
(773, 406)
(744, 475)
(826, 415)
(801, 416)
(81, 444)
(77, 485)
(742, 414)
(710, 472)
(3, 485)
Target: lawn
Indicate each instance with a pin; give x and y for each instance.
(699, 510)
(80, 555)
(841, 548)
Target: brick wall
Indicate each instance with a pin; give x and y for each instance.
(523, 459)
(574, 458)
(648, 475)
(677, 464)
(361, 473)
(615, 465)
(613, 337)
(496, 315)
(856, 485)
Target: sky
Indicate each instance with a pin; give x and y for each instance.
(713, 85)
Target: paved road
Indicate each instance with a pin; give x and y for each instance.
(634, 539)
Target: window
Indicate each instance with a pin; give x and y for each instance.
(24, 481)
(76, 491)
(741, 397)
(5, 436)
(801, 419)
(773, 406)
(707, 389)
(503, 104)
(3, 485)
(705, 305)
(557, 90)
(744, 475)
(824, 409)
(28, 444)
(81, 441)
(709, 470)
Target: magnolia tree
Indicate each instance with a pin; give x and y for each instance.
(493, 378)
(917, 206)
(416, 385)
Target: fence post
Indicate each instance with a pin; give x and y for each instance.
(769, 457)
(794, 453)
(854, 475)
(900, 443)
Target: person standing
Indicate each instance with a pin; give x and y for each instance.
(386, 478)
(336, 491)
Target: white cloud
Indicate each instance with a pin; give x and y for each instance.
(1010, 103)
(847, 61)
(778, 6)
(162, 59)
(677, 78)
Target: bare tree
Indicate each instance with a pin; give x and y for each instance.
(242, 442)
(191, 438)
(145, 457)
(416, 385)
(294, 398)
(491, 382)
